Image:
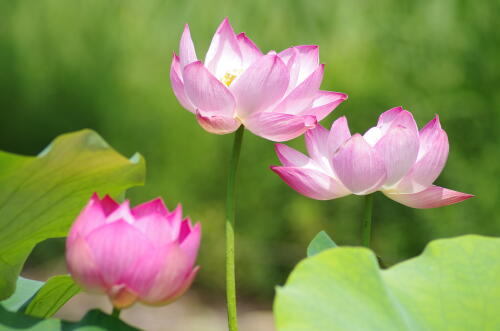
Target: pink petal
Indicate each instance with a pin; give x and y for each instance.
(279, 127)
(290, 157)
(303, 61)
(171, 275)
(186, 284)
(156, 206)
(432, 197)
(311, 183)
(339, 134)
(156, 228)
(187, 52)
(108, 245)
(302, 97)
(217, 124)
(178, 85)
(317, 145)
(191, 242)
(432, 156)
(324, 103)
(249, 51)
(108, 205)
(261, 85)
(224, 54)
(175, 219)
(398, 148)
(358, 166)
(206, 92)
(91, 217)
(394, 117)
(123, 212)
(82, 266)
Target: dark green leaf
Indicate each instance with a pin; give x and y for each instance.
(453, 285)
(52, 296)
(321, 242)
(40, 196)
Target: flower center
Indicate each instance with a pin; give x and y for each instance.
(230, 76)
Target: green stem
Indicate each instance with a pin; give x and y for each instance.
(230, 220)
(116, 312)
(367, 220)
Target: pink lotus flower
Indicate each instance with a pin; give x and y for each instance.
(276, 96)
(141, 254)
(392, 157)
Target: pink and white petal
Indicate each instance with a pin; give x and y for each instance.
(429, 135)
(394, 117)
(398, 148)
(339, 134)
(302, 97)
(249, 51)
(156, 228)
(290, 157)
(324, 103)
(155, 206)
(91, 217)
(359, 167)
(175, 219)
(217, 124)
(279, 127)
(123, 212)
(185, 285)
(191, 242)
(312, 183)
(432, 197)
(109, 257)
(305, 61)
(178, 85)
(317, 145)
(224, 54)
(82, 266)
(428, 167)
(187, 53)
(261, 85)
(206, 92)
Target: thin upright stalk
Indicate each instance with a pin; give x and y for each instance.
(230, 220)
(116, 312)
(367, 220)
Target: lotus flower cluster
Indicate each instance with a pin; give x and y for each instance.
(141, 254)
(393, 157)
(276, 96)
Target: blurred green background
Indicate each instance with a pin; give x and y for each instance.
(103, 64)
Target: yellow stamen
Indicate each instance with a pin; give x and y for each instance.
(228, 78)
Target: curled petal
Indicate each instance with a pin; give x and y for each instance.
(339, 134)
(279, 127)
(358, 166)
(178, 84)
(290, 157)
(431, 160)
(224, 54)
(187, 52)
(261, 85)
(432, 197)
(301, 98)
(217, 124)
(324, 103)
(398, 148)
(206, 92)
(249, 51)
(311, 183)
(115, 266)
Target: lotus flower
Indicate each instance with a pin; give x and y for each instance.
(276, 96)
(392, 157)
(141, 254)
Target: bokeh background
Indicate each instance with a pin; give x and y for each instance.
(103, 64)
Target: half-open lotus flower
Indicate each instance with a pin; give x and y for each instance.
(145, 254)
(276, 95)
(393, 157)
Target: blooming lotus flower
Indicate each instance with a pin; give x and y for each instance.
(276, 96)
(141, 254)
(392, 157)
